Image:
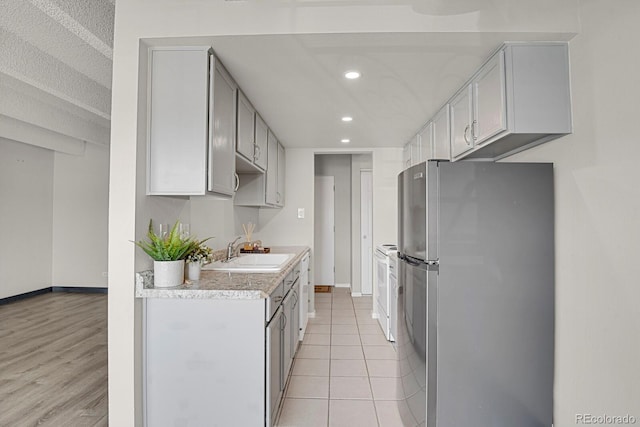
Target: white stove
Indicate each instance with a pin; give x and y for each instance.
(385, 267)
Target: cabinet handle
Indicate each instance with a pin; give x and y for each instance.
(284, 324)
(256, 152)
(237, 185)
(473, 130)
(466, 139)
(277, 197)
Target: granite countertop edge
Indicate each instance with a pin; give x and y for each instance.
(222, 285)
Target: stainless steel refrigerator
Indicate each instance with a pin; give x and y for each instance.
(475, 338)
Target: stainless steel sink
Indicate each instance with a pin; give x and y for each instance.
(252, 263)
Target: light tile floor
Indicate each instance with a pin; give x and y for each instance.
(344, 371)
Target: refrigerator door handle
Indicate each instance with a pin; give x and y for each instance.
(429, 265)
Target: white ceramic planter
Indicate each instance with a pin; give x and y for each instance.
(167, 274)
(193, 270)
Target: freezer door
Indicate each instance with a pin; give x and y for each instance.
(418, 211)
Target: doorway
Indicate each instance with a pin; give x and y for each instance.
(352, 248)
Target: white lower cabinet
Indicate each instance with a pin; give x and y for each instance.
(204, 362)
(218, 362)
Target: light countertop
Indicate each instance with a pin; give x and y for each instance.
(223, 285)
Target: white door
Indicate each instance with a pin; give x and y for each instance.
(324, 229)
(366, 231)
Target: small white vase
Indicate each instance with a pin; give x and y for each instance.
(193, 270)
(167, 274)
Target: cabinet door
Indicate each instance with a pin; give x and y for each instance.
(441, 135)
(281, 175)
(425, 140)
(304, 295)
(295, 319)
(415, 150)
(246, 127)
(489, 112)
(222, 131)
(461, 118)
(260, 149)
(287, 355)
(177, 137)
(271, 196)
(274, 365)
(406, 155)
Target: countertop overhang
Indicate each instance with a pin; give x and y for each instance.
(223, 285)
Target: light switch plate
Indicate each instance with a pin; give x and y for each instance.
(300, 213)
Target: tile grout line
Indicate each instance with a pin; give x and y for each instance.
(366, 365)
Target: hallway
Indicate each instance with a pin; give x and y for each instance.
(344, 371)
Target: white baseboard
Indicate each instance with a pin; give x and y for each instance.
(375, 316)
(356, 294)
(311, 314)
(342, 285)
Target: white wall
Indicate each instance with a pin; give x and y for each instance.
(54, 217)
(26, 217)
(598, 220)
(80, 208)
(339, 167)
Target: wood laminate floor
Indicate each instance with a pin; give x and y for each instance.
(53, 361)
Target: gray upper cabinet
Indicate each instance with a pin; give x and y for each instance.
(271, 197)
(177, 121)
(406, 155)
(246, 127)
(489, 103)
(521, 98)
(461, 120)
(260, 150)
(222, 178)
(250, 128)
(264, 189)
(441, 142)
(425, 142)
(186, 153)
(280, 183)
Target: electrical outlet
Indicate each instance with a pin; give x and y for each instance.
(300, 213)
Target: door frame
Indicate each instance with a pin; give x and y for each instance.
(366, 235)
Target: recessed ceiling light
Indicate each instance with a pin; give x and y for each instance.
(345, 141)
(352, 75)
(347, 119)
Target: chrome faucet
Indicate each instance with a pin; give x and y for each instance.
(230, 248)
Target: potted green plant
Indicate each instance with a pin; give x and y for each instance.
(168, 253)
(200, 256)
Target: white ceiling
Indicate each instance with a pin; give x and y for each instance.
(56, 73)
(55, 66)
(296, 81)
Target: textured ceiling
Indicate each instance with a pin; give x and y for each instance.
(55, 66)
